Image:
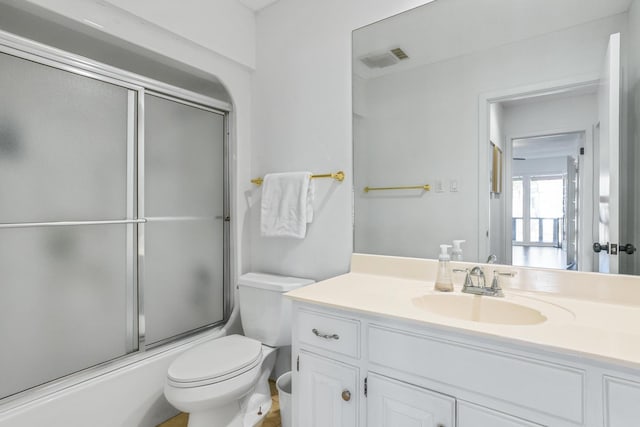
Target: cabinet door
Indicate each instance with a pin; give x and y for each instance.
(470, 415)
(328, 393)
(392, 403)
(621, 402)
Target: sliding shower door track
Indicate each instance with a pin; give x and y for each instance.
(69, 223)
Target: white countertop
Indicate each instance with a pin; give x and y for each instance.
(605, 331)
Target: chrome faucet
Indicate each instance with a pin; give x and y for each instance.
(480, 287)
(477, 272)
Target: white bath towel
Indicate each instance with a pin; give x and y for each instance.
(287, 204)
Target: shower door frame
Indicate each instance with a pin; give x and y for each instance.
(139, 85)
(226, 217)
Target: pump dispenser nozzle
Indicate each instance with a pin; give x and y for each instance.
(456, 252)
(443, 280)
(444, 253)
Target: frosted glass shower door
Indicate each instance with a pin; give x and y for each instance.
(184, 243)
(66, 285)
(63, 145)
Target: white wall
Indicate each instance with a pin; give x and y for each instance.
(496, 119)
(497, 202)
(224, 27)
(555, 115)
(302, 121)
(423, 124)
(133, 396)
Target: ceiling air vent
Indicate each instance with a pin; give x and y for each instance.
(399, 53)
(386, 59)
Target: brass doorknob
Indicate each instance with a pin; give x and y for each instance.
(346, 395)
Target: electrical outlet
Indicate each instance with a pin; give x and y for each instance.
(439, 187)
(453, 185)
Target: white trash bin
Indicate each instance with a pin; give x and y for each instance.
(283, 384)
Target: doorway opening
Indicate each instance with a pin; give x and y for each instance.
(543, 214)
(544, 200)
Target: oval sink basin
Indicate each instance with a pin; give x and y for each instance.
(479, 309)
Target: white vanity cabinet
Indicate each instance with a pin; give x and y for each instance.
(329, 399)
(622, 402)
(327, 383)
(392, 403)
(470, 415)
(361, 370)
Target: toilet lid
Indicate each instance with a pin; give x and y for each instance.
(233, 354)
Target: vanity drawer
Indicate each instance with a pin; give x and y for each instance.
(328, 332)
(526, 384)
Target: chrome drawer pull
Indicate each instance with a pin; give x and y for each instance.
(325, 336)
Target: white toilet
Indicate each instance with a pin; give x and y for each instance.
(225, 382)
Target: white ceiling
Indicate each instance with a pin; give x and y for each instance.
(256, 5)
(445, 29)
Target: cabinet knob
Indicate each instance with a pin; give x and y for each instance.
(346, 395)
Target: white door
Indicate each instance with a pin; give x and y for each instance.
(606, 161)
(328, 393)
(393, 403)
(470, 415)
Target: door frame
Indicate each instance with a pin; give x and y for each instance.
(484, 101)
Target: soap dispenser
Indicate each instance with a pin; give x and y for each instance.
(456, 252)
(443, 279)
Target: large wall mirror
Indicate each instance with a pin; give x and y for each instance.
(511, 125)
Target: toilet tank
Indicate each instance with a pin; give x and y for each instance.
(264, 312)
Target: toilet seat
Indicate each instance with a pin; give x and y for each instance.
(216, 361)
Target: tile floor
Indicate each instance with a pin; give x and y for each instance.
(272, 419)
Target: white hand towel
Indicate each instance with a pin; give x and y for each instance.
(287, 204)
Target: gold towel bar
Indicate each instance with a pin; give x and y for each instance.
(338, 176)
(425, 187)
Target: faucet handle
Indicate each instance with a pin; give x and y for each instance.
(495, 285)
(510, 273)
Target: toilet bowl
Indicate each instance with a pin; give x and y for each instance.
(225, 382)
